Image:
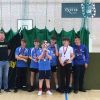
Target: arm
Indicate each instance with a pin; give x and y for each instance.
(60, 61)
(41, 56)
(24, 57)
(86, 57)
(19, 58)
(48, 56)
(57, 53)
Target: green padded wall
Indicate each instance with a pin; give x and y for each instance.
(92, 76)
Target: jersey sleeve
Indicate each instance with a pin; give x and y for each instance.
(17, 52)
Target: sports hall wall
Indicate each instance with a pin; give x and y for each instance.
(48, 13)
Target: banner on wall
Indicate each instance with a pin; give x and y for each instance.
(80, 10)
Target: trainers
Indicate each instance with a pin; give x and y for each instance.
(0, 90)
(39, 93)
(49, 92)
(7, 90)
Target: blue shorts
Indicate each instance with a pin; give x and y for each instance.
(44, 74)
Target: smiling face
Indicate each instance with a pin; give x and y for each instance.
(65, 43)
(53, 42)
(2, 37)
(36, 44)
(45, 44)
(23, 43)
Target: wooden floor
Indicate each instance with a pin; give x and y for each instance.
(22, 95)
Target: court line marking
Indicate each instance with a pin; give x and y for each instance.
(66, 96)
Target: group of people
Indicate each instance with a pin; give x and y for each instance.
(45, 60)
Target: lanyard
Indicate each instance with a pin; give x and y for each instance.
(64, 50)
(79, 49)
(35, 51)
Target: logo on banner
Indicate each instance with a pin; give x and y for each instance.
(71, 10)
(88, 10)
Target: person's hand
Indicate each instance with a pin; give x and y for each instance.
(61, 63)
(24, 60)
(86, 66)
(68, 61)
(20, 55)
(56, 46)
(35, 60)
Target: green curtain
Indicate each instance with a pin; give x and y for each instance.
(45, 34)
(84, 35)
(9, 35)
(41, 34)
(71, 35)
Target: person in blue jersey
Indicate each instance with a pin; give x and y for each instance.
(80, 62)
(44, 56)
(21, 55)
(66, 56)
(34, 63)
(54, 62)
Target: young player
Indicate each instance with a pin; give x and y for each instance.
(44, 57)
(34, 63)
(66, 55)
(54, 50)
(21, 55)
(80, 62)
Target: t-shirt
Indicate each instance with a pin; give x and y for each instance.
(33, 52)
(13, 44)
(3, 51)
(65, 53)
(44, 64)
(54, 57)
(24, 52)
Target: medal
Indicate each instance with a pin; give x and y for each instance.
(44, 59)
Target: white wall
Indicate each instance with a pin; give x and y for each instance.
(47, 13)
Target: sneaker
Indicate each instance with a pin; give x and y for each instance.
(0, 90)
(82, 90)
(7, 90)
(15, 90)
(49, 92)
(39, 93)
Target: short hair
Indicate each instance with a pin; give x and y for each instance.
(77, 36)
(2, 32)
(36, 40)
(66, 39)
(23, 40)
(53, 38)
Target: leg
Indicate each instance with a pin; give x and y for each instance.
(17, 79)
(68, 71)
(5, 75)
(24, 77)
(55, 78)
(81, 78)
(31, 88)
(47, 84)
(76, 77)
(32, 78)
(1, 72)
(62, 78)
